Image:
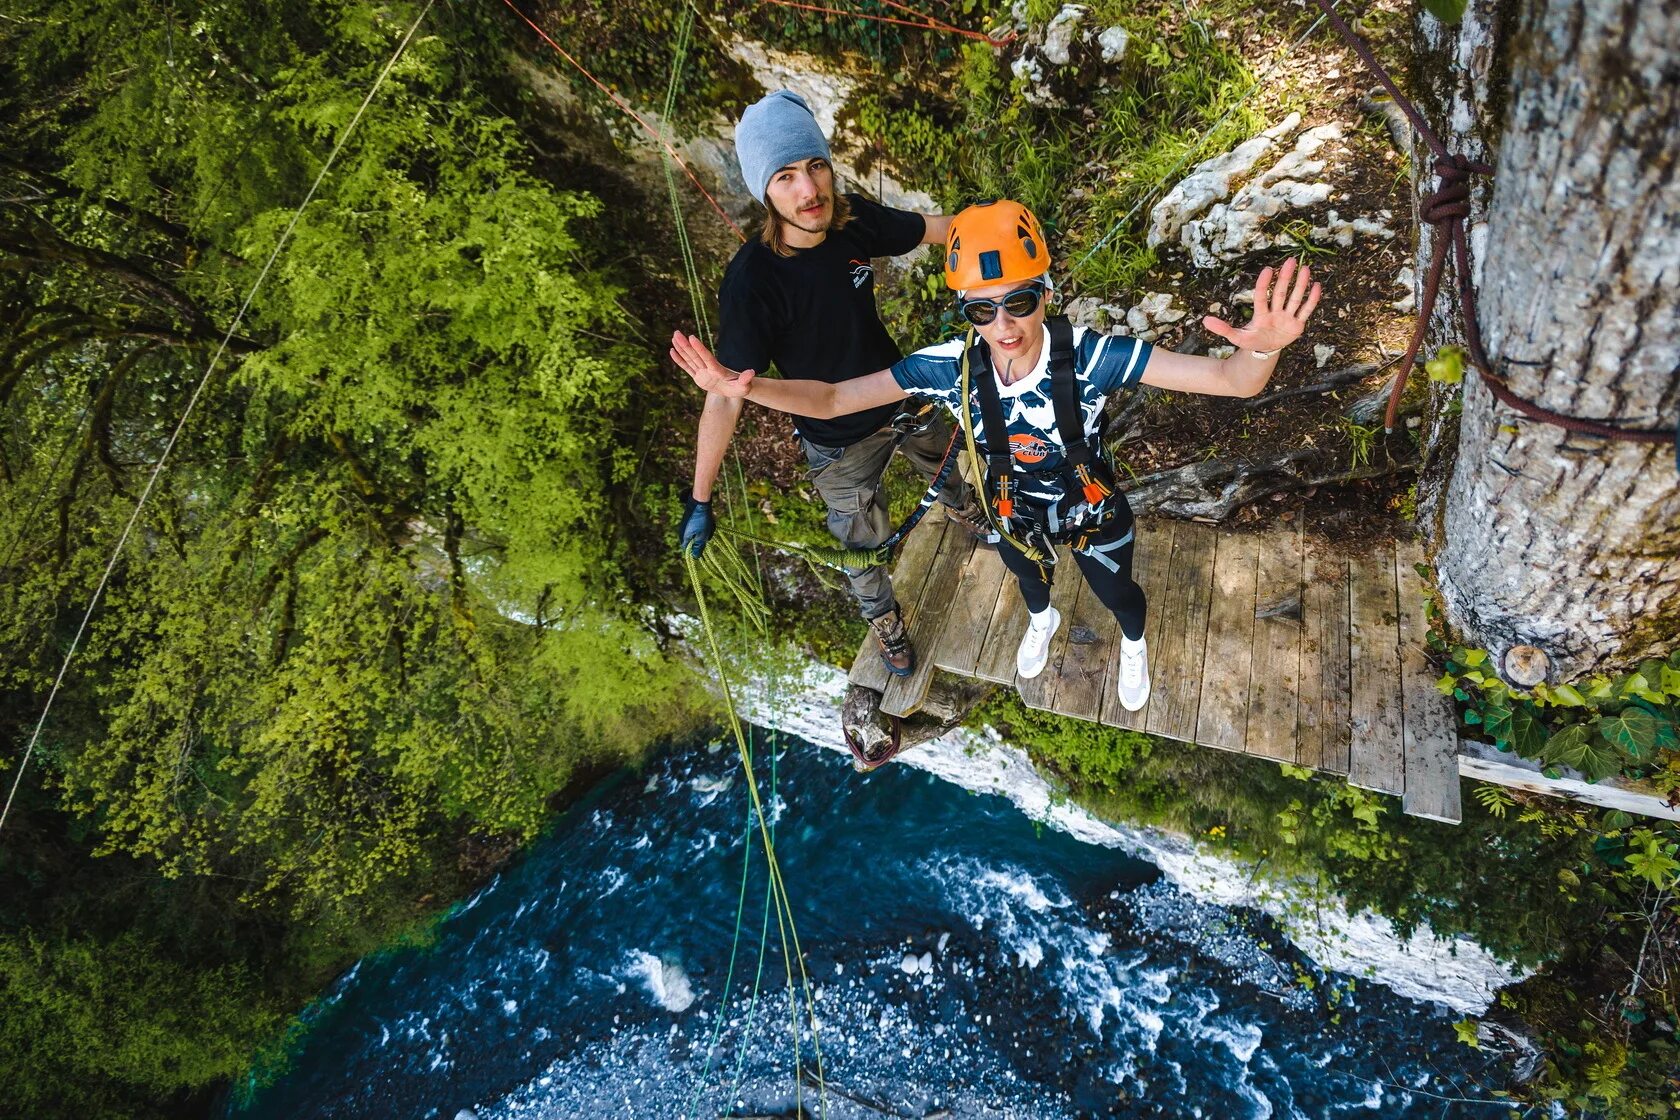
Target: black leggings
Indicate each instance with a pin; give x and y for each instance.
(1114, 586)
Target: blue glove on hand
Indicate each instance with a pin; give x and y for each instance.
(697, 526)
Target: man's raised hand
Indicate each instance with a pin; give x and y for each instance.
(1281, 310)
(699, 363)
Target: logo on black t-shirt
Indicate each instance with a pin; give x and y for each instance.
(1029, 449)
(862, 271)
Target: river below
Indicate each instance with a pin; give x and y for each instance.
(962, 959)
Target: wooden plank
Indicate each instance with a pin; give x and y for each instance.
(1431, 735)
(1064, 592)
(903, 695)
(1222, 717)
(1151, 557)
(1176, 676)
(1485, 762)
(1093, 641)
(1377, 752)
(996, 662)
(983, 580)
(909, 575)
(1321, 715)
(1274, 684)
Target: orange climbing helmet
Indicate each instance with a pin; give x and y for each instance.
(994, 243)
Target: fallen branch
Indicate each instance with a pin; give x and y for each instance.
(1215, 489)
(1330, 382)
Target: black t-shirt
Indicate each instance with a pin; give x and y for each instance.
(813, 314)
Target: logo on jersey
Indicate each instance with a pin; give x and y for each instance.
(1029, 449)
(862, 273)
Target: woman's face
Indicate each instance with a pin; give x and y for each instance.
(1014, 340)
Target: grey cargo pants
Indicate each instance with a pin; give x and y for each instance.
(849, 480)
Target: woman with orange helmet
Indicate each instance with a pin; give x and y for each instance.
(1030, 391)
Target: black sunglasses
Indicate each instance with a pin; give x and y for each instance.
(1020, 303)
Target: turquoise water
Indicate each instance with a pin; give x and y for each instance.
(960, 958)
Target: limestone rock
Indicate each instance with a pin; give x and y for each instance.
(1211, 180)
(1061, 33)
(1113, 42)
(1342, 230)
(1232, 230)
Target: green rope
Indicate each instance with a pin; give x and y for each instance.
(693, 1108)
(758, 975)
(786, 927)
(832, 556)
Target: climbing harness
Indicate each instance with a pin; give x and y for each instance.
(1085, 471)
(1449, 205)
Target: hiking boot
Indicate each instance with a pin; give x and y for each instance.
(896, 652)
(972, 519)
(1134, 673)
(1034, 650)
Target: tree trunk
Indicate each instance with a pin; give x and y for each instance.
(1460, 75)
(1551, 539)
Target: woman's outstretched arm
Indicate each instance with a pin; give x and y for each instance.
(1281, 311)
(817, 399)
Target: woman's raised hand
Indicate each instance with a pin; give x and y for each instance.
(700, 364)
(1281, 310)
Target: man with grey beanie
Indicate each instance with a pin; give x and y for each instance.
(801, 296)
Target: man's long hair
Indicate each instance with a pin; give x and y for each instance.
(771, 234)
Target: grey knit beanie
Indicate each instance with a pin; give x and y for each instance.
(775, 131)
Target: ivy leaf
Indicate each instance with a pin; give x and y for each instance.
(1446, 684)
(1465, 1029)
(1528, 736)
(1575, 747)
(1496, 719)
(1448, 12)
(1633, 730)
(1568, 696)
(1670, 681)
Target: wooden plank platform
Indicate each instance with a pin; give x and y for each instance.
(1268, 643)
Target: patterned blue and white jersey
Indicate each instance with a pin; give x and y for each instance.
(1103, 364)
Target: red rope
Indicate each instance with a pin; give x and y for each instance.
(1000, 41)
(929, 24)
(625, 105)
(1448, 207)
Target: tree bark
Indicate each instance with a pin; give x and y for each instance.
(1565, 542)
(1459, 80)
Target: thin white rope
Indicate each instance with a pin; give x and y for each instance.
(192, 402)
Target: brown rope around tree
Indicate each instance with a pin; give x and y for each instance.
(1448, 206)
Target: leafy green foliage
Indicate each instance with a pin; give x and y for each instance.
(387, 599)
(110, 1026)
(1590, 899)
(1602, 727)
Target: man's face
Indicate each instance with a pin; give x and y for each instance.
(1011, 339)
(802, 194)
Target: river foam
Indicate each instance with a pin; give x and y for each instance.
(1454, 971)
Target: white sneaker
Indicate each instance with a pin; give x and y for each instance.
(1134, 673)
(1035, 643)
